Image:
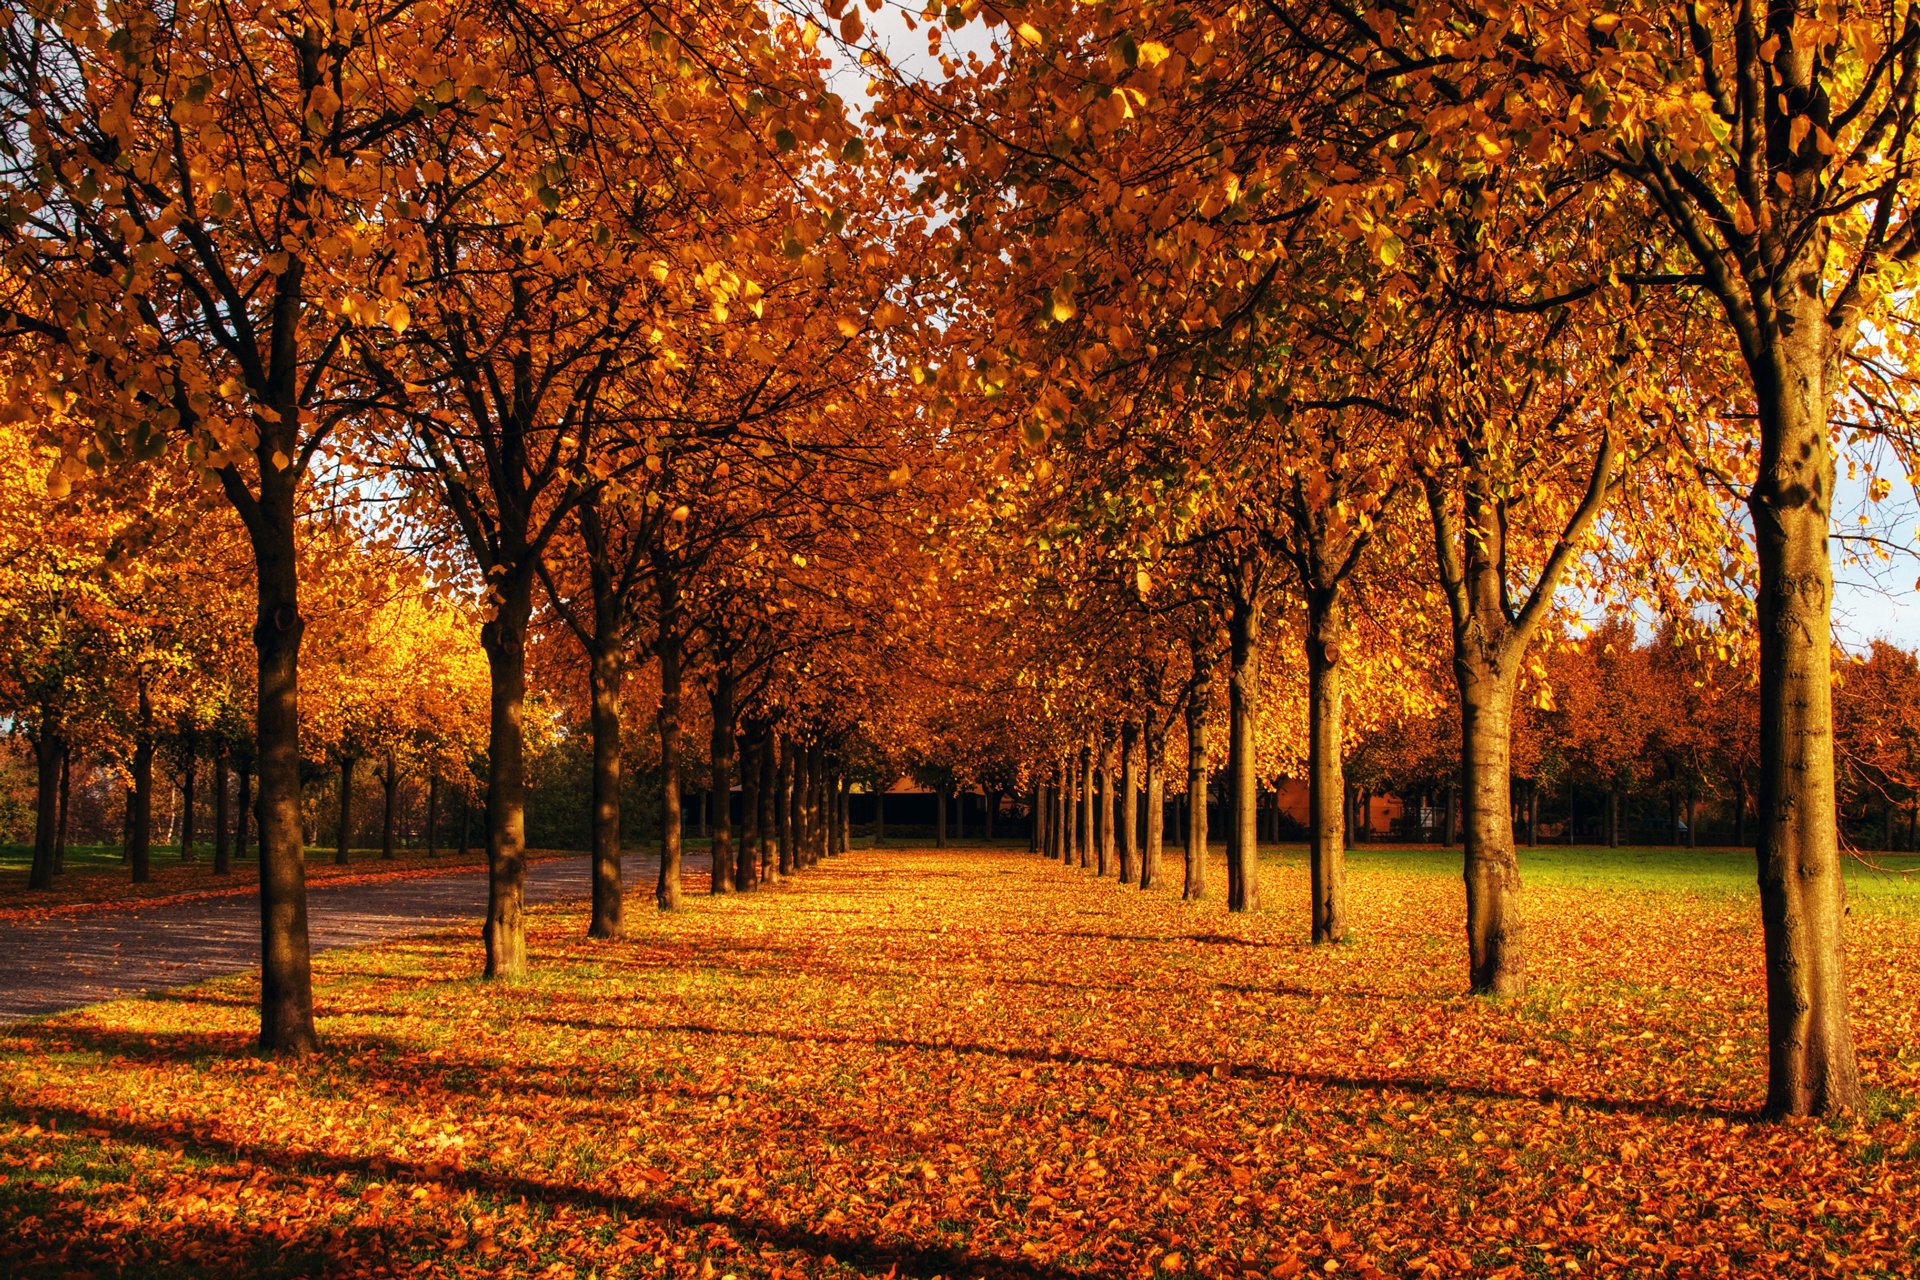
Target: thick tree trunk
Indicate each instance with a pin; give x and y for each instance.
(1810, 1059)
(606, 687)
(1495, 934)
(389, 822)
(187, 762)
(222, 850)
(140, 847)
(1326, 775)
(344, 830)
(504, 637)
(1126, 812)
(1150, 853)
(1198, 700)
(1243, 794)
(720, 749)
(666, 890)
(48, 750)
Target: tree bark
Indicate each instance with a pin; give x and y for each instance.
(1496, 956)
(1126, 811)
(783, 805)
(1199, 699)
(60, 823)
(389, 823)
(606, 688)
(49, 748)
(433, 813)
(1150, 853)
(1810, 1060)
(769, 806)
(989, 801)
(879, 813)
(666, 891)
(222, 850)
(746, 866)
(1243, 796)
(1326, 774)
(720, 748)
(187, 762)
(344, 831)
(140, 847)
(504, 638)
(1088, 798)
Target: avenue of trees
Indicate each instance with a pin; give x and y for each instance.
(1444, 400)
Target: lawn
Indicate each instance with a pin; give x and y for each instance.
(977, 1063)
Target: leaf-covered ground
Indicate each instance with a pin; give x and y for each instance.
(979, 1063)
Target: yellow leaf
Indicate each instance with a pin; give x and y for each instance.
(1029, 33)
(398, 317)
(849, 328)
(1153, 53)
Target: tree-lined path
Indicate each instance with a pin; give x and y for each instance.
(981, 1063)
(72, 960)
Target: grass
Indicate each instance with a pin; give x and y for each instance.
(977, 1063)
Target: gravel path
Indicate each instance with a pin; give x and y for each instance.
(49, 965)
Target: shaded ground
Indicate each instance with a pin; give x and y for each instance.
(66, 961)
(977, 1063)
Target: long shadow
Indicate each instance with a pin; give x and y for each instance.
(861, 1250)
(1188, 1068)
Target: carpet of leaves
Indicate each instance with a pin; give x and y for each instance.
(981, 1064)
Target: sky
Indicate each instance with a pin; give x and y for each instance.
(1874, 599)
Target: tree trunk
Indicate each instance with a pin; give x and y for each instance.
(504, 637)
(1452, 816)
(1198, 700)
(783, 805)
(1243, 795)
(1740, 807)
(940, 816)
(1069, 812)
(666, 891)
(879, 813)
(60, 823)
(816, 805)
(1326, 775)
(433, 813)
(1613, 818)
(1035, 803)
(746, 865)
(187, 762)
(389, 822)
(606, 689)
(48, 750)
(1496, 956)
(1533, 813)
(1156, 813)
(1810, 1060)
(344, 831)
(222, 850)
(720, 748)
(1693, 841)
(843, 812)
(242, 809)
(140, 847)
(466, 824)
(989, 801)
(1089, 798)
(1127, 810)
(769, 806)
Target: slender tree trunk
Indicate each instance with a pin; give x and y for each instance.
(1613, 818)
(1156, 812)
(344, 831)
(222, 850)
(720, 748)
(606, 689)
(60, 826)
(666, 891)
(187, 762)
(1740, 808)
(1243, 795)
(879, 813)
(1533, 813)
(843, 812)
(48, 750)
(243, 809)
(989, 801)
(1070, 811)
(389, 822)
(1034, 806)
(1810, 1058)
(1326, 775)
(940, 816)
(1452, 816)
(1088, 799)
(769, 806)
(783, 805)
(1199, 699)
(433, 813)
(746, 866)
(141, 846)
(504, 637)
(1126, 811)
(1495, 933)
